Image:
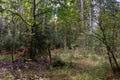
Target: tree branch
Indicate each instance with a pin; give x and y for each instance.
(42, 13)
(98, 36)
(17, 14)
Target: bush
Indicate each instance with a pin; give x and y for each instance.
(57, 61)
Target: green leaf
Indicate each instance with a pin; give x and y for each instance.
(1, 9)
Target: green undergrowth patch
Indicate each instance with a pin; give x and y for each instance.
(8, 57)
(5, 57)
(84, 67)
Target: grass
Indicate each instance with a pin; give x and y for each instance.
(84, 67)
(5, 57)
(77, 67)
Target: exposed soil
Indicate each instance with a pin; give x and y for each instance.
(29, 69)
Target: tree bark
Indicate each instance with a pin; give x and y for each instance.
(65, 40)
(112, 59)
(33, 31)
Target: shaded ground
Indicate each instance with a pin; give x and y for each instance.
(25, 69)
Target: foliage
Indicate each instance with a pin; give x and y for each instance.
(106, 30)
(79, 26)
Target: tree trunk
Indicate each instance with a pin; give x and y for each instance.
(13, 41)
(82, 12)
(112, 59)
(33, 31)
(65, 40)
(50, 56)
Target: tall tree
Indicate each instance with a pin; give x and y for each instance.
(30, 13)
(106, 30)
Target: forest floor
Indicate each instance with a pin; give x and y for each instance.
(66, 66)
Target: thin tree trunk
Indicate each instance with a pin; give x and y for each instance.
(65, 40)
(13, 51)
(50, 56)
(82, 12)
(33, 29)
(90, 14)
(117, 68)
(110, 60)
(13, 41)
(65, 44)
(113, 62)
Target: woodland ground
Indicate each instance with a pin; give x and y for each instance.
(66, 66)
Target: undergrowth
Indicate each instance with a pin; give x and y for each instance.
(68, 66)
